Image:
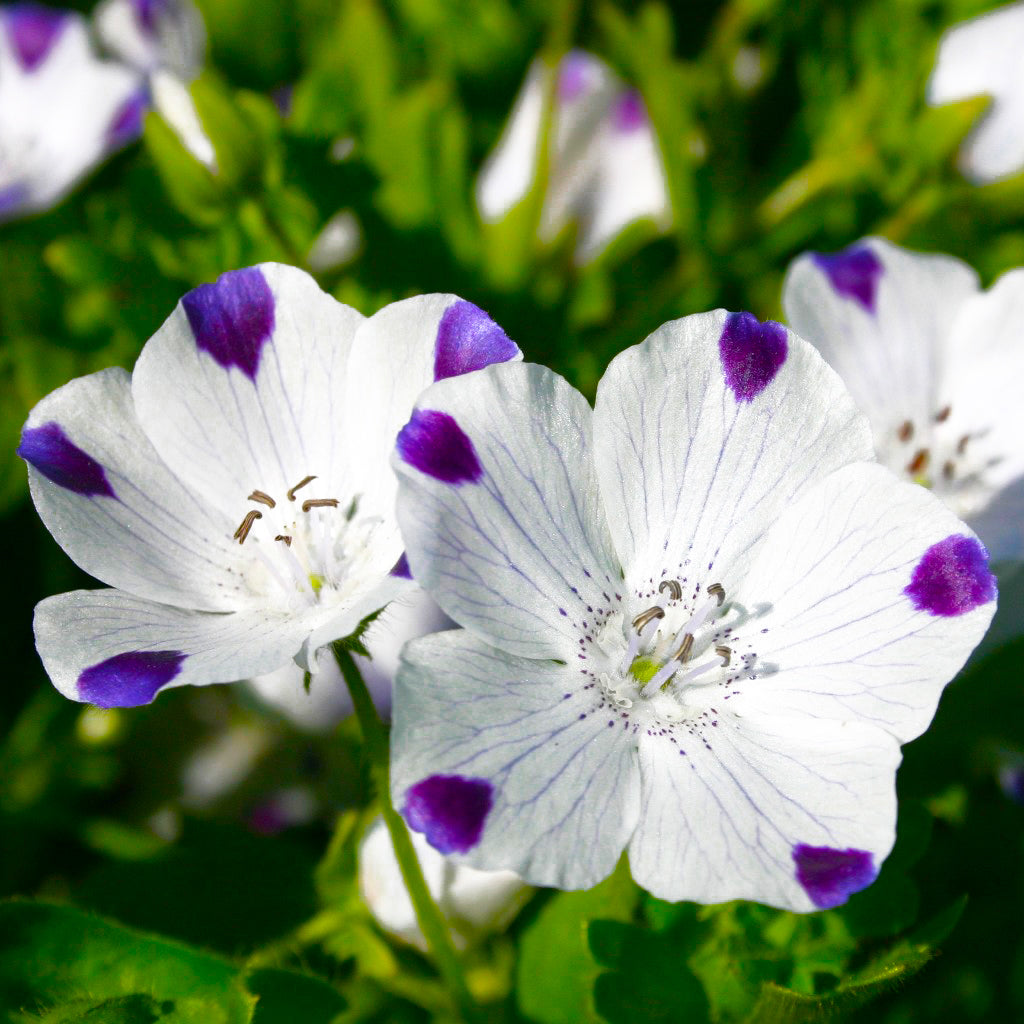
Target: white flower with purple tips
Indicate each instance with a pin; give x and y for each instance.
(62, 109)
(698, 621)
(605, 171)
(234, 489)
(935, 363)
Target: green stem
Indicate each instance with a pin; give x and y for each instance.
(429, 917)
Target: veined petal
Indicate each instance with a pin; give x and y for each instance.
(704, 432)
(108, 648)
(499, 509)
(242, 388)
(879, 314)
(872, 594)
(116, 509)
(797, 814)
(396, 354)
(506, 761)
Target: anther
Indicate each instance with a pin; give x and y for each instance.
(725, 653)
(319, 503)
(906, 431)
(919, 463)
(284, 537)
(683, 652)
(943, 414)
(961, 445)
(718, 591)
(641, 622)
(949, 469)
(302, 483)
(246, 525)
(263, 498)
(672, 586)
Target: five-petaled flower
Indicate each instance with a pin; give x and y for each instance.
(699, 622)
(933, 361)
(234, 489)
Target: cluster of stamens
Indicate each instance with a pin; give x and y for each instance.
(919, 464)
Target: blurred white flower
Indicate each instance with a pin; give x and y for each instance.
(473, 902)
(173, 102)
(151, 34)
(982, 57)
(338, 243)
(605, 169)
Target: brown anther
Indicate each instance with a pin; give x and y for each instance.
(644, 618)
(319, 503)
(246, 525)
(906, 431)
(285, 538)
(719, 591)
(943, 414)
(302, 483)
(672, 586)
(263, 498)
(949, 469)
(961, 445)
(919, 463)
(683, 651)
(725, 653)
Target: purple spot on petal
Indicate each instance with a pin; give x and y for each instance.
(449, 810)
(147, 12)
(952, 577)
(401, 567)
(59, 459)
(435, 444)
(831, 876)
(12, 198)
(854, 273)
(572, 78)
(129, 680)
(33, 30)
(468, 339)
(126, 124)
(629, 113)
(233, 318)
(751, 353)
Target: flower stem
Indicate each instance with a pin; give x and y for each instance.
(429, 917)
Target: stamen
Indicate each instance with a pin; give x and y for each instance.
(284, 537)
(725, 653)
(919, 463)
(641, 621)
(246, 525)
(717, 590)
(319, 503)
(943, 414)
(683, 652)
(672, 586)
(961, 445)
(949, 469)
(906, 431)
(302, 483)
(263, 498)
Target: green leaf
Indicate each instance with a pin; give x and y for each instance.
(285, 997)
(93, 970)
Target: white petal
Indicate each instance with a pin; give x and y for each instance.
(499, 509)
(108, 648)
(250, 395)
(169, 34)
(704, 433)
(728, 808)
(882, 327)
(507, 761)
(173, 102)
(104, 493)
(849, 629)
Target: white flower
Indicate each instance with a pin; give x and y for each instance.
(605, 170)
(698, 625)
(151, 34)
(234, 489)
(473, 902)
(935, 363)
(982, 57)
(62, 110)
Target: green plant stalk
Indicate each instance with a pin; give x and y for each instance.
(429, 917)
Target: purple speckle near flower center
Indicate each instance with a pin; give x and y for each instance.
(468, 339)
(126, 124)
(401, 567)
(854, 273)
(831, 876)
(751, 353)
(952, 577)
(33, 30)
(435, 444)
(449, 810)
(572, 78)
(232, 318)
(59, 459)
(129, 680)
(629, 113)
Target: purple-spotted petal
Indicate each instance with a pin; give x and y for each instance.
(49, 449)
(752, 353)
(628, 112)
(952, 577)
(435, 444)
(468, 339)
(832, 876)
(449, 810)
(33, 31)
(126, 125)
(853, 272)
(153, 34)
(128, 680)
